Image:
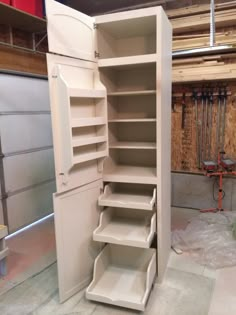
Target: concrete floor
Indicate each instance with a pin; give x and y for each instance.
(187, 289)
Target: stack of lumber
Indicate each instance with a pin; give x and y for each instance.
(191, 25)
(216, 67)
(223, 18)
(199, 8)
(203, 40)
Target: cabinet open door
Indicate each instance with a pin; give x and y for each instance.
(63, 26)
(79, 109)
(79, 118)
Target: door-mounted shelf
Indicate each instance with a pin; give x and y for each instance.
(85, 122)
(89, 157)
(127, 197)
(126, 227)
(87, 141)
(83, 93)
(123, 276)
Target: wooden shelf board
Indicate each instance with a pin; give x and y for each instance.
(131, 174)
(127, 61)
(127, 93)
(133, 120)
(74, 92)
(133, 145)
(20, 19)
(89, 156)
(87, 141)
(84, 122)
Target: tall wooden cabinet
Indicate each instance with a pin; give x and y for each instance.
(110, 90)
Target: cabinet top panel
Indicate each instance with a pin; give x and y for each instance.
(139, 26)
(128, 15)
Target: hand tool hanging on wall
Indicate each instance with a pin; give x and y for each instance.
(224, 97)
(218, 125)
(195, 99)
(173, 103)
(202, 125)
(205, 125)
(183, 110)
(210, 124)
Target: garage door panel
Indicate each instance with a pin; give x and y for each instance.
(1, 213)
(30, 94)
(25, 132)
(28, 169)
(29, 206)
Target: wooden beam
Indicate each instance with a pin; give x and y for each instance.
(13, 59)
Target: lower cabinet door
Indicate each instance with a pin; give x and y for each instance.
(76, 217)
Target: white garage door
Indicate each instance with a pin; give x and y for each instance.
(26, 157)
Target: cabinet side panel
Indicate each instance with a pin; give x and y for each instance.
(76, 217)
(164, 55)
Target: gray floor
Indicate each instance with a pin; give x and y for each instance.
(177, 295)
(188, 289)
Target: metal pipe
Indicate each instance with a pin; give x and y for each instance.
(212, 24)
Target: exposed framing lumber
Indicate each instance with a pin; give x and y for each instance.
(199, 8)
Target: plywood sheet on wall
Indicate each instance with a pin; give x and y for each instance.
(184, 148)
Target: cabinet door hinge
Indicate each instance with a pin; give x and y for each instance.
(95, 26)
(96, 54)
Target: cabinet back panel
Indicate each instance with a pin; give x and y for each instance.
(134, 157)
(139, 106)
(143, 132)
(132, 79)
(129, 37)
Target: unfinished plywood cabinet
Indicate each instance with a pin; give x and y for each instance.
(110, 89)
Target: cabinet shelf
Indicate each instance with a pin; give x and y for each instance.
(84, 122)
(87, 141)
(74, 92)
(89, 156)
(133, 145)
(123, 276)
(127, 61)
(131, 174)
(131, 93)
(123, 227)
(130, 198)
(132, 120)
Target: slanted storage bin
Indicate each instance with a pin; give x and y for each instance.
(128, 196)
(123, 276)
(34, 7)
(126, 227)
